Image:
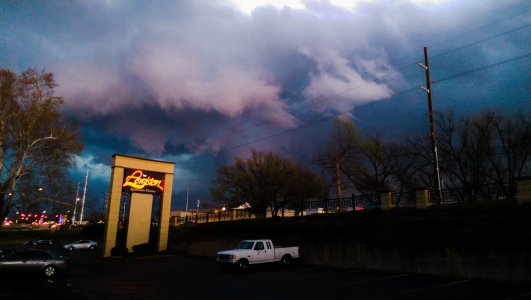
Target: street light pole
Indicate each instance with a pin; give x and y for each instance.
(75, 205)
(187, 192)
(84, 196)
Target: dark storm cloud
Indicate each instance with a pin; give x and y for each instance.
(192, 55)
(182, 79)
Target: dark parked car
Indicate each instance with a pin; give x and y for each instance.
(42, 241)
(36, 260)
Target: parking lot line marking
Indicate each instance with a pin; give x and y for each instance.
(520, 296)
(433, 287)
(375, 279)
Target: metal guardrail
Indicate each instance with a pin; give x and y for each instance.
(355, 202)
(469, 194)
(209, 217)
(364, 202)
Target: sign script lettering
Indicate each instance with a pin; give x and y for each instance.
(139, 181)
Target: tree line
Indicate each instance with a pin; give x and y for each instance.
(488, 148)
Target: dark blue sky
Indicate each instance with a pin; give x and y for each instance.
(201, 82)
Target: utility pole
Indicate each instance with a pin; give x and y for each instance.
(83, 202)
(427, 89)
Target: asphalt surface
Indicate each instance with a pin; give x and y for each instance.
(173, 277)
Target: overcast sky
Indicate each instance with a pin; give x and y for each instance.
(200, 82)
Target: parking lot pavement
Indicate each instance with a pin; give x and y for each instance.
(93, 277)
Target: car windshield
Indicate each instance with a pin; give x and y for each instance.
(246, 245)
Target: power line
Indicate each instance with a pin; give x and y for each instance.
(462, 108)
(481, 41)
(323, 100)
(381, 77)
(478, 29)
(433, 45)
(374, 80)
(485, 67)
(349, 110)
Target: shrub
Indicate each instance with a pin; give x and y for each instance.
(145, 248)
(119, 251)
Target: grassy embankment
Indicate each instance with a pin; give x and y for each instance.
(481, 223)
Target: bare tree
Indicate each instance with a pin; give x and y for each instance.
(413, 163)
(515, 143)
(303, 186)
(257, 181)
(486, 149)
(344, 139)
(34, 137)
(453, 141)
(482, 154)
(375, 172)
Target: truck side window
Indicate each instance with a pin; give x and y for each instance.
(259, 246)
(268, 245)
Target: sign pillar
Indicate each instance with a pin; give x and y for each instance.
(165, 208)
(142, 178)
(112, 211)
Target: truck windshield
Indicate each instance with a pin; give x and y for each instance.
(245, 245)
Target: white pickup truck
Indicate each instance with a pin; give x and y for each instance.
(250, 252)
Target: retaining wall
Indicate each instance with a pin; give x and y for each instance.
(511, 263)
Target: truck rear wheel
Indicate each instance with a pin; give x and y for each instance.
(286, 261)
(242, 264)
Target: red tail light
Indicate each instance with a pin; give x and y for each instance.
(66, 259)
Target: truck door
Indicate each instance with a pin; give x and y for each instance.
(262, 253)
